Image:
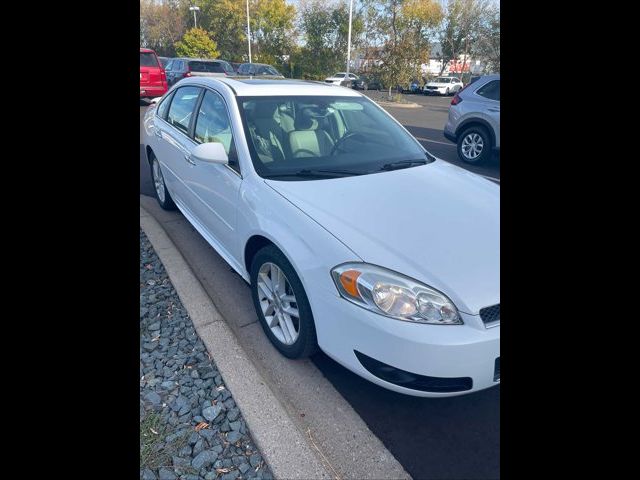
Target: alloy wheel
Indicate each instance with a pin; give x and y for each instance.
(278, 303)
(158, 180)
(472, 145)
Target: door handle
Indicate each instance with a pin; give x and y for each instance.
(494, 109)
(187, 157)
(158, 133)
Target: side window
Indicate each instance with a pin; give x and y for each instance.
(491, 90)
(182, 107)
(213, 125)
(164, 106)
(352, 76)
(242, 69)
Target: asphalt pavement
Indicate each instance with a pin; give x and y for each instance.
(447, 438)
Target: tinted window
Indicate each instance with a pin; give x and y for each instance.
(339, 75)
(168, 65)
(242, 68)
(491, 90)
(226, 66)
(163, 106)
(213, 125)
(148, 59)
(182, 106)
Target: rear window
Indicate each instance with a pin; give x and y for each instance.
(491, 90)
(148, 59)
(209, 67)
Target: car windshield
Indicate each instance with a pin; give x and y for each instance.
(299, 136)
(442, 80)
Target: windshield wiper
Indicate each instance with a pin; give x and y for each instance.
(316, 173)
(403, 164)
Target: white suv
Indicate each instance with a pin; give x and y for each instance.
(443, 86)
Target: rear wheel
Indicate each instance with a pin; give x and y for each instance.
(474, 145)
(281, 304)
(162, 194)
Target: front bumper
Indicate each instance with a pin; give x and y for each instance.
(435, 355)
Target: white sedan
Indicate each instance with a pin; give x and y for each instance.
(341, 77)
(443, 86)
(353, 238)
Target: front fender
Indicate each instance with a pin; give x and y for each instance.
(310, 248)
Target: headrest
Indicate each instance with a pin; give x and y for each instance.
(305, 120)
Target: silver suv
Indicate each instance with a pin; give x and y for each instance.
(474, 119)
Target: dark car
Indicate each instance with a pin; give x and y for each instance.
(153, 82)
(259, 70)
(179, 68)
(367, 82)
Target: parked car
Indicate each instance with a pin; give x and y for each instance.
(342, 78)
(412, 87)
(235, 66)
(180, 68)
(474, 119)
(347, 230)
(164, 61)
(367, 82)
(261, 70)
(443, 86)
(153, 80)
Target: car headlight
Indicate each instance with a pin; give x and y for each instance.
(393, 295)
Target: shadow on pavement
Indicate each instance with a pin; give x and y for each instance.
(433, 438)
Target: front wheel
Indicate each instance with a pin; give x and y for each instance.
(281, 304)
(474, 145)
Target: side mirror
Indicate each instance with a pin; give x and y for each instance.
(212, 152)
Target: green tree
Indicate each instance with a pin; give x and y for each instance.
(161, 25)
(196, 43)
(409, 26)
(324, 28)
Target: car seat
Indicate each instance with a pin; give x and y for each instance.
(308, 140)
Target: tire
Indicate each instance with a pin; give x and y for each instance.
(469, 141)
(160, 189)
(447, 92)
(306, 343)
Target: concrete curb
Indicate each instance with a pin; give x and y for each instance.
(282, 445)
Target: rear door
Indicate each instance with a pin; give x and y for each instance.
(490, 94)
(149, 70)
(176, 144)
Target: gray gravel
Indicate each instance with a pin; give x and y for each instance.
(181, 389)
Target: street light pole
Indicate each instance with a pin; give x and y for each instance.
(248, 32)
(349, 38)
(195, 9)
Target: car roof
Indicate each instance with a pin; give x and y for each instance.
(250, 87)
(201, 59)
(146, 50)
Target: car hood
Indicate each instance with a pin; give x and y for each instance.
(436, 223)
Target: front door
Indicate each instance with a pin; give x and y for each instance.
(216, 186)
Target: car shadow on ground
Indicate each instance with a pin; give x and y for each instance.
(433, 438)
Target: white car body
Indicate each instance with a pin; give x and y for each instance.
(340, 77)
(444, 86)
(445, 234)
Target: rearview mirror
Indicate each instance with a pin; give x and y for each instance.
(212, 152)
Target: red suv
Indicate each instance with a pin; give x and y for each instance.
(153, 80)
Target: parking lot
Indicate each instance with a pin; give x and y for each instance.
(457, 437)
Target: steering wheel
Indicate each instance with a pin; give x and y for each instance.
(348, 136)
